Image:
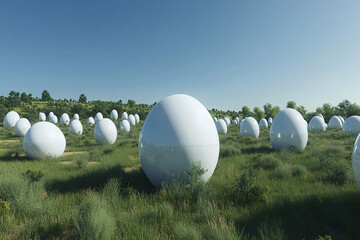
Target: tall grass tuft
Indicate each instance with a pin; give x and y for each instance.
(161, 212)
(183, 231)
(338, 174)
(267, 162)
(271, 230)
(112, 190)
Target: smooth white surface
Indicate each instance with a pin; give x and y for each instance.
(342, 119)
(125, 126)
(65, 119)
(221, 126)
(132, 120)
(44, 139)
(227, 121)
(263, 123)
(105, 131)
(270, 121)
(137, 118)
(335, 123)
(317, 124)
(91, 121)
(237, 119)
(42, 117)
(53, 119)
(124, 115)
(320, 115)
(98, 117)
(215, 119)
(114, 115)
(288, 130)
(352, 126)
(50, 115)
(21, 127)
(177, 133)
(10, 119)
(356, 160)
(249, 128)
(76, 127)
(76, 116)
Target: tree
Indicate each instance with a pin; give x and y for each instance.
(271, 111)
(45, 96)
(82, 98)
(24, 97)
(246, 111)
(258, 114)
(301, 109)
(291, 104)
(131, 103)
(14, 99)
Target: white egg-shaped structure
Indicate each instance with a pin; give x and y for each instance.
(132, 120)
(91, 121)
(10, 119)
(124, 115)
(137, 118)
(44, 139)
(105, 131)
(317, 124)
(237, 119)
(65, 119)
(215, 119)
(53, 119)
(42, 117)
(114, 114)
(249, 128)
(178, 133)
(288, 130)
(356, 160)
(320, 115)
(76, 117)
(352, 126)
(221, 126)
(98, 116)
(227, 121)
(335, 123)
(75, 127)
(50, 115)
(270, 121)
(342, 119)
(263, 123)
(21, 127)
(124, 126)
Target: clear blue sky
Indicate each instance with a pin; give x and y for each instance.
(227, 54)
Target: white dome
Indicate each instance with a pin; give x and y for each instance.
(53, 119)
(288, 130)
(335, 122)
(342, 119)
(249, 128)
(132, 120)
(44, 139)
(237, 119)
(10, 119)
(227, 121)
(124, 115)
(352, 126)
(21, 127)
(215, 119)
(114, 114)
(105, 131)
(221, 126)
(270, 121)
(177, 133)
(76, 116)
(76, 127)
(124, 126)
(356, 160)
(50, 115)
(137, 118)
(65, 119)
(98, 117)
(317, 124)
(320, 115)
(263, 123)
(42, 117)
(91, 121)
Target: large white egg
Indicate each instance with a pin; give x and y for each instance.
(42, 117)
(76, 127)
(76, 117)
(21, 127)
(53, 119)
(178, 132)
(137, 118)
(215, 119)
(105, 131)
(124, 115)
(249, 128)
(356, 160)
(114, 114)
(227, 121)
(91, 121)
(10, 119)
(352, 126)
(335, 122)
(132, 120)
(317, 124)
(44, 139)
(125, 126)
(288, 130)
(65, 119)
(98, 117)
(263, 123)
(221, 126)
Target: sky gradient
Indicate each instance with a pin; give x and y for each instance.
(227, 54)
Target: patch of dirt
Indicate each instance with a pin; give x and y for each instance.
(9, 141)
(66, 162)
(93, 163)
(71, 153)
(132, 158)
(130, 169)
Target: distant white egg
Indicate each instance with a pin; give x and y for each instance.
(10, 119)
(114, 114)
(356, 160)
(335, 123)
(65, 119)
(98, 117)
(249, 128)
(227, 121)
(125, 126)
(124, 115)
(42, 117)
(352, 126)
(137, 118)
(263, 123)
(21, 127)
(76, 116)
(50, 115)
(91, 121)
(132, 120)
(215, 119)
(53, 119)
(221, 126)
(317, 124)
(270, 120)
(105, 131)
(76, 127)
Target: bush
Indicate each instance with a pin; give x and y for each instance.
(92, 221)
(338, 174)
(81, 162)
(4, 207)
(228, 151)
(267, 162)
(33, 175)
(298, 171)
(183, 231)
(112, 190)
(283, 171)
(326, 237)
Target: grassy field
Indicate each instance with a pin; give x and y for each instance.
(101, 192)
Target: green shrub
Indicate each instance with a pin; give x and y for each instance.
(33, 175)
(298, 171)
(81, 162)
(283, 171)
(267, 162)
(4, 207)
(338, 174)
(183, 231)
(92, 221)
(228, 151)
(326, 237)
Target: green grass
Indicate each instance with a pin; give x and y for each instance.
(101, 192)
